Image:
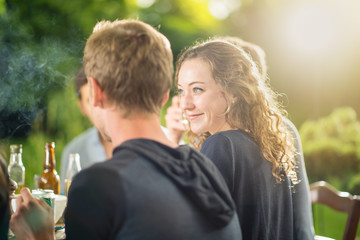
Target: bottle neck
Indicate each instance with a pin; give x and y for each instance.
(16, 158)
(49, 160)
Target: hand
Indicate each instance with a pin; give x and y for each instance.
(33, 219)
(174, 121)
(12, 186)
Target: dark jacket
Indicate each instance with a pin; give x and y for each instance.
(150, 191)
(264, 207)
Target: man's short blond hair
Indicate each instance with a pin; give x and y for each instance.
(132, 62)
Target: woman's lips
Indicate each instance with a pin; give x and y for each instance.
(192, 117)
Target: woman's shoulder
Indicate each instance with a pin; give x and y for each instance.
(234, 139)
(230, 135)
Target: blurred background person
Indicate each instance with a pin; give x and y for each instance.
(90, 145)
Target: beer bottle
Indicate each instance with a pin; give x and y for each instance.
(49, 178)
(16, 168)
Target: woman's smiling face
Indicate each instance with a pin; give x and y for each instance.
(201, 98)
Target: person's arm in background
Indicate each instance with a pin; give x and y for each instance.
(174, 123)
(33, 219)
(301, 196)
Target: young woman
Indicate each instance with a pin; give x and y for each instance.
(235, 120)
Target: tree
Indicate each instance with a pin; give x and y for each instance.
(41, 45)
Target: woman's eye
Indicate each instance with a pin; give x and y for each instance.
(180, 91)
(197, 90)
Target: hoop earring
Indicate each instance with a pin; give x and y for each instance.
(229, 104)
(227, 110)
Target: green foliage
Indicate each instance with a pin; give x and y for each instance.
(2, 7)
(41, 45)
(331, 148)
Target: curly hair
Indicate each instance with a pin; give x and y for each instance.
(255, 109)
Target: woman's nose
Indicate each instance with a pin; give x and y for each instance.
(186, 102)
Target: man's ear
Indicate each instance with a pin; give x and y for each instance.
(96, 95)
(166, 98)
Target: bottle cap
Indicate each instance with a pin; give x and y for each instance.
(50, 145)
(16, 148)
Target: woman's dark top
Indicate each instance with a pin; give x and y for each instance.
(264, 207)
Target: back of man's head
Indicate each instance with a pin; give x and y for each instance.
(132, 62)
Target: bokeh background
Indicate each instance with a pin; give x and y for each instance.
(313, 55)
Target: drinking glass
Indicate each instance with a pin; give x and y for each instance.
(72, 169)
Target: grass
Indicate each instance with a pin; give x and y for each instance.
(329, 223)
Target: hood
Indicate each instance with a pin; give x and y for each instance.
(193, 174)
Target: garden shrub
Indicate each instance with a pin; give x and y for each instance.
(331, 147)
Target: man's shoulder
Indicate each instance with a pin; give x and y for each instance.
(122, 165)
(103, 172)
(120, 159)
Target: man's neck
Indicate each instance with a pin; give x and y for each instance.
(108, 146)
(148, 127)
